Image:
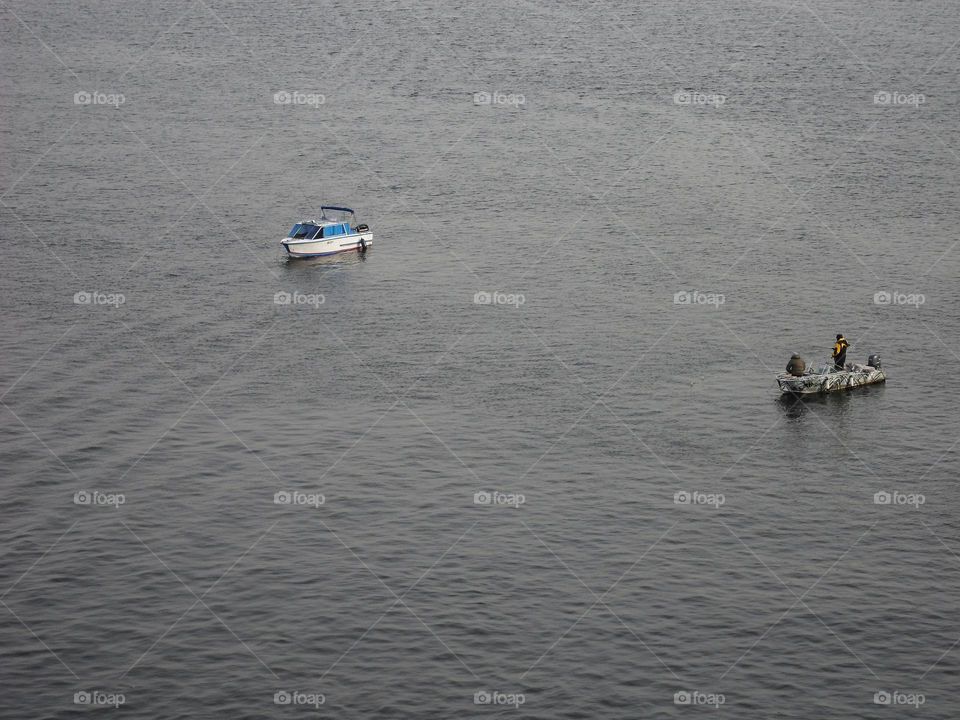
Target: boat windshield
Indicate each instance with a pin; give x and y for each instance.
(302, 231)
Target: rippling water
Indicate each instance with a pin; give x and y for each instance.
(487, 497)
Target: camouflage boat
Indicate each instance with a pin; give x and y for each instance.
(829, 379)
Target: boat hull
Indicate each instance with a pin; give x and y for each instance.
(328, 246)
(829, 382)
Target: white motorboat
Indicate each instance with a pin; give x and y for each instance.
(334, 232)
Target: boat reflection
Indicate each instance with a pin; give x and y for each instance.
(328, 261)
(795, 406)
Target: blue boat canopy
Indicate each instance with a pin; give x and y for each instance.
(314, 231)
(341, 229)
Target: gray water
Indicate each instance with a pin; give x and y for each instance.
(586, 192)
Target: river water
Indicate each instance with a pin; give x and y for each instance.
(526, 456)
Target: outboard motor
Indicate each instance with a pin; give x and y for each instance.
(874, 361)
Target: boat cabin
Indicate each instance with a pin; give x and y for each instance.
(315, 231)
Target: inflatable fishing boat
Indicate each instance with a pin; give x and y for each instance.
(799, 381)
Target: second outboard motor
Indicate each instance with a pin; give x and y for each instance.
(874, 361)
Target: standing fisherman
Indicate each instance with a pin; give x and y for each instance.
(840, 352)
